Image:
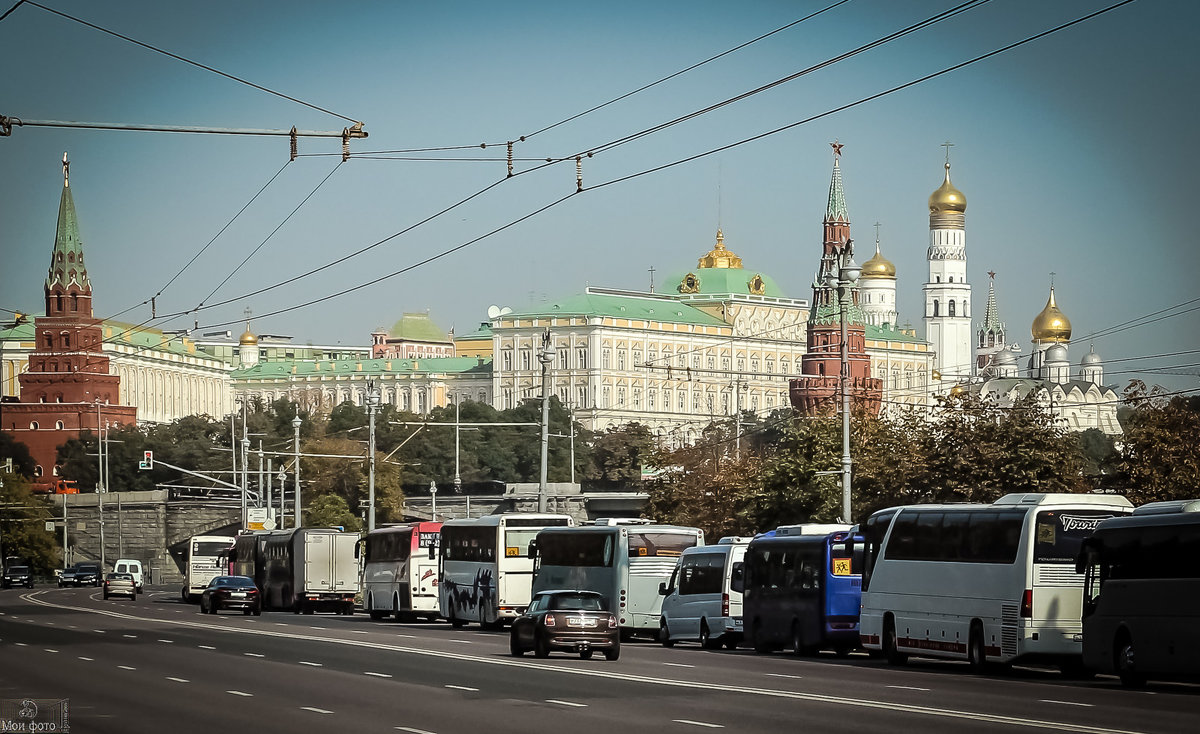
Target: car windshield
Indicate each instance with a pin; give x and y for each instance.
(578, 602)
(88, 569)
(19, 569)
(240, 582)
(120, 576)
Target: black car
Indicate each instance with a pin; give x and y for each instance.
(17, 576)
(574, 621)
(231, 592)
(87, 574)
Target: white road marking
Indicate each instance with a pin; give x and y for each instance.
(318, 628)
(315, 665)
(411, 730)
(784, 675)
(169, 642)
(462, 688)
(699, 723)
(130, 636)
(892, 707)
(90, 660)
(315, 710)
(1066, 703)
(71, 626)
(20, 644)
(178, 680)
(566, 703)
(909, 688)
(100, 632)
(463, 642)
(377, 675)
(411, 637)
(282, 624)
(358, 632)
(239, 693)
(679, 665)
(49, 622)
(49, 650)
(126, 667)
(206, 647)
(253, 654)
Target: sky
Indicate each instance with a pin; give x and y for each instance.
(1077, 154)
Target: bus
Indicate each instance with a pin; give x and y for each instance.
(983, 583)
(400, 571)
(246, 558)
(485, 573)
(802, 589)
(1141, 599)
(205, 557)
(625, 563)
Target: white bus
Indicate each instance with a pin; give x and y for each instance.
(485, 572)
(625, 563)
(1141, 603)
(985, 583)
(400, 571)
(206, 557)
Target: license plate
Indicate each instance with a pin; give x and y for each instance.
(239, 594)
(581, 622)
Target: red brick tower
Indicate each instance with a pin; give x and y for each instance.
(67, 387)
(817, 390)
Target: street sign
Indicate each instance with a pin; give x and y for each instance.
(147, 461)
(257, 518)
(269, 524)
(50, 527)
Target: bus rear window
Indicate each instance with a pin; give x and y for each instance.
(846, 559)
(576, 549)
(1060, 533)
(642, 545)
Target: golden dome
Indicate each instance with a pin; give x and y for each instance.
(247, 339)
(878, 266)
(1051, 325)
(947, 198)
(719, 257)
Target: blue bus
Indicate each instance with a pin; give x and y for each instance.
(803, 592)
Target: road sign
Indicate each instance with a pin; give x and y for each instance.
(258, 517)
(147, 461)
(50, 527)
(268, 524)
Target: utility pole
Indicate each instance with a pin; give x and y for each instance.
(372, 406)
(545, 357)
(100, 488)
(297, 510)
(846, 276)
(457, 476)
(245, 466)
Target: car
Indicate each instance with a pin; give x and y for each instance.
(570, 620)
(17, 576)
(231, 592)
(130, 566)
(120, 584)
(87, 574)
(66, 577)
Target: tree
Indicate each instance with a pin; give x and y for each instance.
(23, 518)
(1159, 456)
(618, 456)
(330, 510)
(22, 461)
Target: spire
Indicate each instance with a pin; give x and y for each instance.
(991, 315)
(66, 262)
(836, 209)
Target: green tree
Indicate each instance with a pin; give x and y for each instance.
(618, 455)
(23, 518)
(22, 461)
(330, 510)
(1159, 458)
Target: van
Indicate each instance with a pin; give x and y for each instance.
(699, 602)
(132, 567)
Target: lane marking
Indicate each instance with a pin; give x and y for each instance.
(49, 650)
(1066, 703)
(282, 624)
(679, 665)
(318, 628)
(239, 693)
(253, 654)
(909, 688)
(699, 723)
(71, 626)
(566, 703)
(462, 688)
(20, 644)
(410, 730)
(100, 632)
(49, 622)
(178, 680)
(892, 707)
(377, 675)
(785, 675)
(411, 637)
(169, 642)
(132, 637)
(90, 660)
(462, 642)
(315, 710)
(358, 632)
(315, 665)
(126, 667)
(206, 647)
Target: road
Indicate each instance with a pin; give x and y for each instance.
(156, 664)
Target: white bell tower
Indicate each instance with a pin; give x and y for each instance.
(947, 293)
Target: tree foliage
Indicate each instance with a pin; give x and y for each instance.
(23, 518)
(1159, 455)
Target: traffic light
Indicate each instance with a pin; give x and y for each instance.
(147, 461)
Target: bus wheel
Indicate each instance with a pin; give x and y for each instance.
(664, 634)
(798, 646)
(761, 646)
(1123, 661)
(455, 622)
(890, 643)
(706, 638)
(976, 657)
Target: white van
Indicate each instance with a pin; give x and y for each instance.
(699, 604)
(130, 566)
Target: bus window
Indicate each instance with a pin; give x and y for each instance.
(516, 541)
(846, 557)
(1060, 533)
(642, 545)
(575, 549)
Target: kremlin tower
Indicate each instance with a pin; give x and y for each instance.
(947, 293)
(991, 334)
(67, 388)
(877, 289)
(817, 390)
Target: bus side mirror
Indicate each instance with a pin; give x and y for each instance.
(662, 588)
(737, 577)
(433, 549)
(359, 552)
(531, 550)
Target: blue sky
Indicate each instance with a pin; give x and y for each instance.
(1077, 155)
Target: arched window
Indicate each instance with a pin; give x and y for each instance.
(935, 307)
(74, 302)
(950, 308)
(33, 425)
(66, 339)
(58, 425)
(49, 340)
(37, 470)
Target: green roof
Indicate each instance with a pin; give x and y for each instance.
(723, 281)
(417, 327)
(138, 337)
(288, 367)
(483, 332)
(20, 332)
(624, 307)
(891, 333)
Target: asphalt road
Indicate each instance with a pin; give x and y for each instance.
(157, 664)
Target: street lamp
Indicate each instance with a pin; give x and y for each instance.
(546, 356)
(843, 278)
(296, 422)
(373, 398)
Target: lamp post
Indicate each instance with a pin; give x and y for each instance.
(296, 422)
(457, 475)
(546, 356)
(372, 406)
(100, 488)
(844, 278)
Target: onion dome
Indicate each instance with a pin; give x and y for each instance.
(1090, 359)
(247, 339)
(1056, 353)
(1006, 357)
(719, 257)
(947, 199)
(1051, 325)
(878, 267)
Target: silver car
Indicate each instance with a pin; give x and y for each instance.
(120, 584)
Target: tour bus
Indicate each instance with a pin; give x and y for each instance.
(310, 569)
(1141, 599)
(701, 602)
(400, 571)
(985, 583)
(485, 573)
(625, 563)
(206, 556)
(802, 589)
